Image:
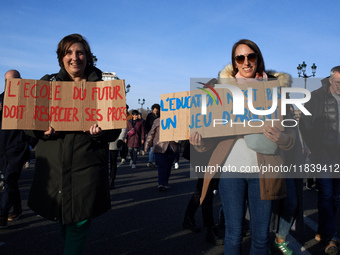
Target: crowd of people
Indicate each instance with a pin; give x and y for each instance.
(71, 166)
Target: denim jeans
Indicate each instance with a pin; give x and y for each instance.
(151, 155)
(164, 162)
(288, 207)
(113, 164)
(133, 154)
(177, 157)
(234, 192)
(328, 200)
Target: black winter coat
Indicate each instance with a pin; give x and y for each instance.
(320, 130)
(71, 174)
(14, 147)
(149, 121)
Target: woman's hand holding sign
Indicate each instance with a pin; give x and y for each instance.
(50, 131)
(196, 139)
(275, 135)
(95, 129)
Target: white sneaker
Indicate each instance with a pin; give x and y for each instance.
(176, 165)
(150, 165)
(130, 163)
(121, 163)
(133, 166)
(143, 152)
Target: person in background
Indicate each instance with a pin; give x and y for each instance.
(290, 208)
(150, 118)
(164, 153)
(124, 148)
(70, 183)
(141, 149)
(114, 149)
(2, 184)
(201, 159)
(306, 155)
(134, 137)
(14, 152)
(321, 132)
(176, 162)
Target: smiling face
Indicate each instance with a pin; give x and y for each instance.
(75, 61)
(247, 69)
(335, 83)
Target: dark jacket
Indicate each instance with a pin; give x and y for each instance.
(71, 174)
(14, 147)
(149, 121)
(320, 130)
(134, 141)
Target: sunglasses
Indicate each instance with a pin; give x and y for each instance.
(251, 58)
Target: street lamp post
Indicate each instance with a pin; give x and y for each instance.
(141, 102)
(302, 67)
(127, 90)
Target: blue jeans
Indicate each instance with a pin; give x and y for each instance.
(234, 192)
(328, 201)
(133, 154)
(288, 207)
(164, 162)
(177, 157)
(151, 155)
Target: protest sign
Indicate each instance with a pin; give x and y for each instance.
(66, 106)
(212, 114)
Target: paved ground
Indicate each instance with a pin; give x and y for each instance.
(142, 220)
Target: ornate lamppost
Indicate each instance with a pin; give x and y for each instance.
(302, 67)
(141, 102)
(127, 89)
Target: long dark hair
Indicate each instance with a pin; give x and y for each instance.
(255, 48)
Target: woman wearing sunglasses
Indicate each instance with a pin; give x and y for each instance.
(237, 190)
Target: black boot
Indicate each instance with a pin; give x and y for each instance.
(189, 223)
(112, 185)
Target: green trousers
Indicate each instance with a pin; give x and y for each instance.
(75, 235)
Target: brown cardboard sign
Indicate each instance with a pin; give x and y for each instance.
(212, 111)
(66, 106)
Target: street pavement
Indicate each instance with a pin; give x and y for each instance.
(142, 220)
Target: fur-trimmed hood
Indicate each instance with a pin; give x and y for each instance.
(284, 79)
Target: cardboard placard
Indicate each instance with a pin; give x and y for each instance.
(66, 106)
(182, 113)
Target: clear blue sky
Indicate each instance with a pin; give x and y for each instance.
(157, 46)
